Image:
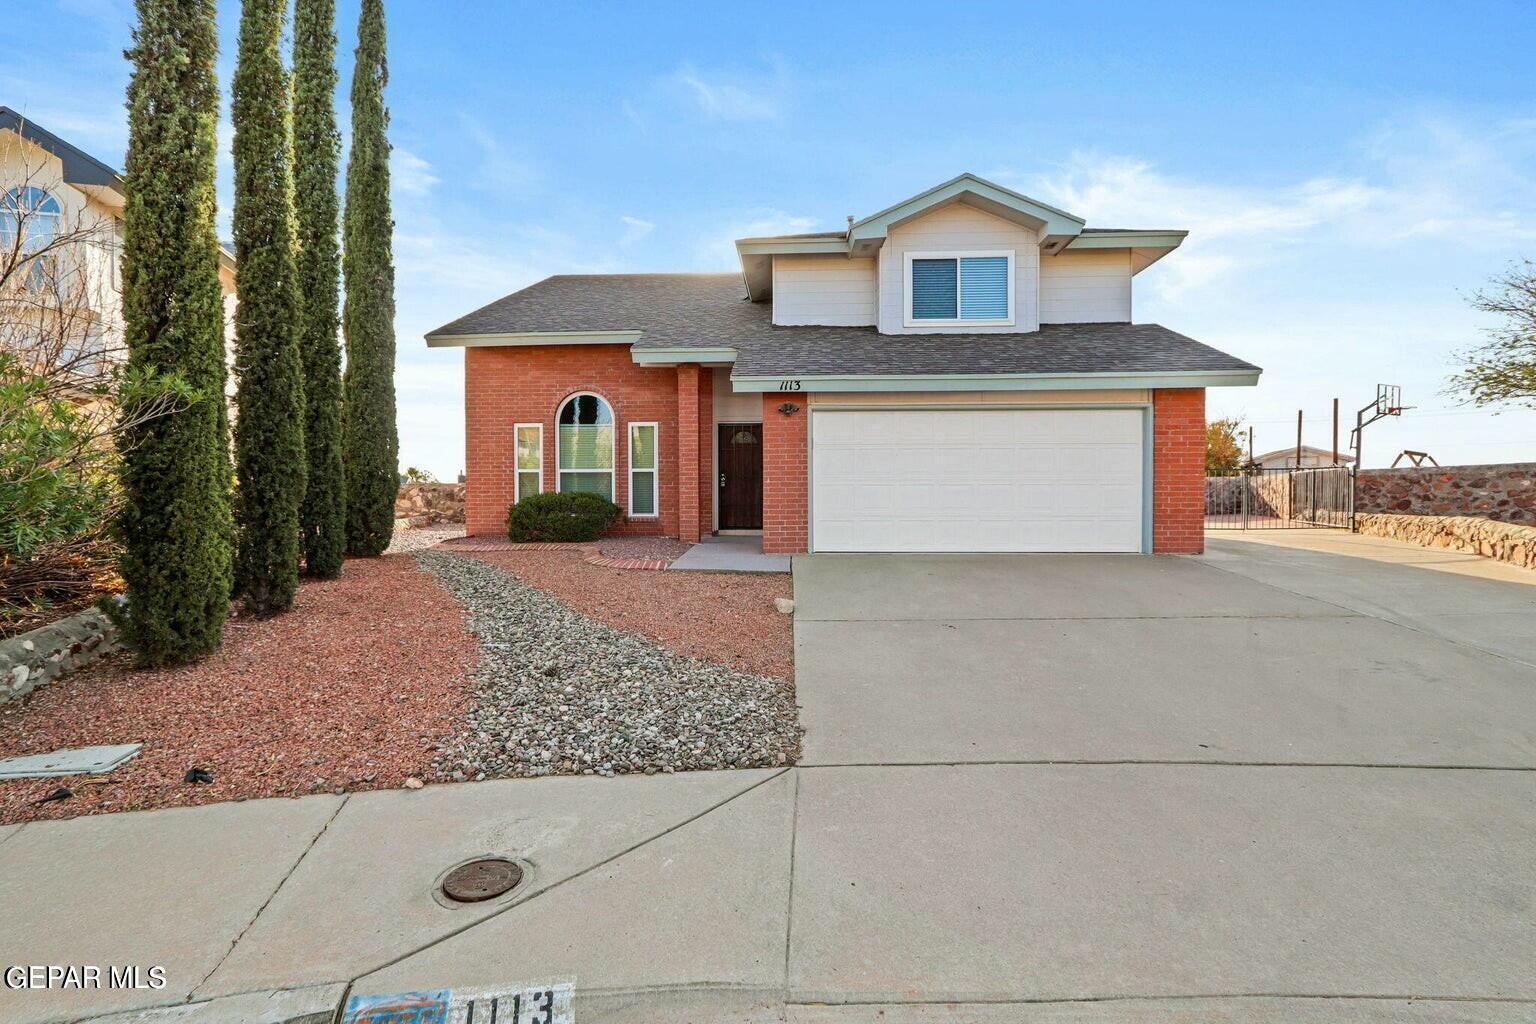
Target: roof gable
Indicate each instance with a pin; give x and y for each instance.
(978, 192)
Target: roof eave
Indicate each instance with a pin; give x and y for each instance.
(997, 381)
(675, 355)
(511, 339)
(756, 256)
(1146, 247)
(80, 168)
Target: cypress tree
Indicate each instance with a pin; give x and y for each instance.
(369, 440)
(269, 431)
(175, 526)
(316, 151)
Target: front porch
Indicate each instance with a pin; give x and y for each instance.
(730, 553)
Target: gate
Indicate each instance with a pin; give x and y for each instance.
(1281, 499)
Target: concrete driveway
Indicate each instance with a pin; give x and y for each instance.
(1253, 654)
(1112, 780)
(1293, 780)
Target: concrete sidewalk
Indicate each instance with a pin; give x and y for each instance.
(1042, 789)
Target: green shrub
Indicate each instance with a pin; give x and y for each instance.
(560, 517)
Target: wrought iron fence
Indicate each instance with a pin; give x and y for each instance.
(1281, 499)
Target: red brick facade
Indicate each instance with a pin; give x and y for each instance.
(786, 505)
(506, 386)
(511, 385)
(1178, 471)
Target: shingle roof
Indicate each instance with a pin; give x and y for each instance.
(710, 311)
(80, 168)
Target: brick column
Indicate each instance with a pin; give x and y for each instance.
(1178, 471)
(706, 475)
(688, 453)
(785, 475)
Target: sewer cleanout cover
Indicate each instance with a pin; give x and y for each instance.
(481, 880)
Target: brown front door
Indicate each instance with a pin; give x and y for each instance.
(741, 476)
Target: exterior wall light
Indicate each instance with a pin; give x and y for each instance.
(789, 408)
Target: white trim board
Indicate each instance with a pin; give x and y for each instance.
(995, 381)
(528, 338)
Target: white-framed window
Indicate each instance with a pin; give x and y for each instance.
(584, 445)
(644, 479)
(33, 214)
(529, 479)
(972, 288)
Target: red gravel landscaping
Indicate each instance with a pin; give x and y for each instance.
(723, 617)
(352, 689)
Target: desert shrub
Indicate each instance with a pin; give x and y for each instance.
(560, 517)
(58, 485)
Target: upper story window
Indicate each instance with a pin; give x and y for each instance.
(584, 445)
(31, 216)
(34, 213)
(972, 289)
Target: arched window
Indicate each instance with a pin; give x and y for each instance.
(34, 213)
(584, 445)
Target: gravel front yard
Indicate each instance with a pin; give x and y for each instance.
(354, 688)
(718, 616)
(560, 693)
(372, 679)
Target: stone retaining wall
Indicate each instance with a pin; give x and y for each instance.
(1505, 492)
(43, 654)
(1507, 542)
(424, 504)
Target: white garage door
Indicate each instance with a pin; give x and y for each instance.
(976, 480)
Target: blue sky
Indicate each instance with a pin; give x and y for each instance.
(1348, 172)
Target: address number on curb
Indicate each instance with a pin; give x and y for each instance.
(534, 1004)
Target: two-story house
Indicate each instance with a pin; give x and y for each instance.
(52, 191)
(958, 372)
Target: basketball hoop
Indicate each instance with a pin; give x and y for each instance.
(1389, 402)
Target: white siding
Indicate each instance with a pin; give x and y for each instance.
(1086, 287)
(734, 406)
(959, 227)
(831, 291)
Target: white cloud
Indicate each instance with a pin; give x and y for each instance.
(409, 174)
(634, 229)
(1338, 280)
(1424, 179)
(733, 96)
(1229, 226)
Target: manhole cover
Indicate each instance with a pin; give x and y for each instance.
(483, 879)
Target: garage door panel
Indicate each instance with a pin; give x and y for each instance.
(977, 480)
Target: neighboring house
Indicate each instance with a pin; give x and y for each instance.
(958, 372)
(1311, 458)
(50, 189)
